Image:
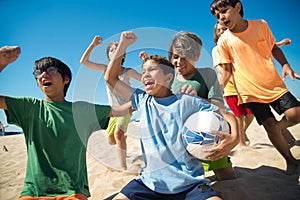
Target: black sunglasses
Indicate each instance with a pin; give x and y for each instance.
(50, 71)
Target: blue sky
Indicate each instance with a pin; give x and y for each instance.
(64, 29)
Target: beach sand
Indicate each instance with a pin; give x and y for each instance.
(259, 167)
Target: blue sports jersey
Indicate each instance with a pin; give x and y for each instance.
(169, 168)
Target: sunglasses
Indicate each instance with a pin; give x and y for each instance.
(50, 71)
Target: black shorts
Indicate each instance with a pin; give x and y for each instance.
(262, 111)
(136, 190)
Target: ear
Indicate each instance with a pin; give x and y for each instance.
(66, 80)
(169, 77)
(238, 6)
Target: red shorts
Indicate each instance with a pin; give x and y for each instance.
(238, 110)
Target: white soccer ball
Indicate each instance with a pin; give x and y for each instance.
(197, 133)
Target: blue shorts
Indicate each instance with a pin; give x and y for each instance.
(136, 190)
(262, 111)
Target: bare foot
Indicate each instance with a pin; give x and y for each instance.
(8, 54)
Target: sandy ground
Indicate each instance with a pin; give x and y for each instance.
(259, 167)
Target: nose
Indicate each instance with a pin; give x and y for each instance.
(44, 74)
(221, 17)
(145, 74)
(177, 61)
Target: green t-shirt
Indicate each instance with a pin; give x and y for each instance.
(56, 135)
(205, 82)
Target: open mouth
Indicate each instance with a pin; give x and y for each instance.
(47, 83)
(148, 84)
(179, 68)
(227, 22)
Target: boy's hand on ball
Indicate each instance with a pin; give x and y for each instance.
(223, 147)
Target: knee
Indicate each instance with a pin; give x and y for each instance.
(272, 125)
(293, 115)
(111, 140)
(119, 135)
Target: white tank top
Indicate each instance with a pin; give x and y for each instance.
(114, 99)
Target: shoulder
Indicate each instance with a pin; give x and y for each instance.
(224, 38)
(24, 99)
(206, 71)
(258, 22)
(86, 106)
(139, 92)
(190, 100)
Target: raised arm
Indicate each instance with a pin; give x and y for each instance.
(114, 67)
(117, 111)
(8, 54)
(285, 41)
(132, 73)
(85, 57)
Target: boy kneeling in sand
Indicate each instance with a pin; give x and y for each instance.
(170, 172)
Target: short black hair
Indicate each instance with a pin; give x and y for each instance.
(63, 69)
(218, 4)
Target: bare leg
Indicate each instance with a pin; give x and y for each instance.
(291, 117)
(247, 121)
(8, 54)
(273, 128)
(120, 196)
(288, 137)
(240, 121)
(111, 139)
(244, 122)
(225, 173)
(214, 198)
(120, 139)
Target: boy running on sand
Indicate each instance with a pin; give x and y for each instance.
(254, 74)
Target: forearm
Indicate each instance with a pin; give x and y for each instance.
(225, 74)
(279, 56)
(118, 111)
(283, 42)
(87, 63)
(86, 54)
(232, 121)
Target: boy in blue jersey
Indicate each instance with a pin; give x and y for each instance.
(170, 172)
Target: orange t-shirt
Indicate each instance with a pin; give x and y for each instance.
(250, 53)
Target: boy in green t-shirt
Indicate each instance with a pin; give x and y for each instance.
(56, 133)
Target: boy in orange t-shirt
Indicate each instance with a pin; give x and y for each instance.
(255, 76)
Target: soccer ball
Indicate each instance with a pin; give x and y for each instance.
(197, 133)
